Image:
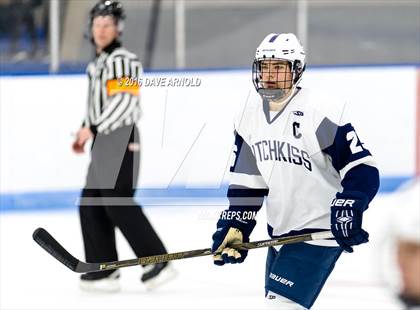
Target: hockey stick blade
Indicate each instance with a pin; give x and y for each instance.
(49, 244)
(46, 241)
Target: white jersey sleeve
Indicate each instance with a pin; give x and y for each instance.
(247, 187)
(338, 138)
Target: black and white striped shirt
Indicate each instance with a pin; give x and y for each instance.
(113, 103)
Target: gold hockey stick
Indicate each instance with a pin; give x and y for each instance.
(48, 243)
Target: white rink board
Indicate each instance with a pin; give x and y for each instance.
(39, 113)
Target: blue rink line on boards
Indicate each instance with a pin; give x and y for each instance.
(175, 196)
(79, 68)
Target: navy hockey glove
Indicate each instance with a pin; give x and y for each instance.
(229, 232)
(346, 219)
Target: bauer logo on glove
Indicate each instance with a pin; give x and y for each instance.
(346, 219)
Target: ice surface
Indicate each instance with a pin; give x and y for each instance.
(31, 279)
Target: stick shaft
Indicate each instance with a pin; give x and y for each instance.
(46, 241)
(155, 259)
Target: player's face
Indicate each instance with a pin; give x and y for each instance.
(276, 74)
(104, 31)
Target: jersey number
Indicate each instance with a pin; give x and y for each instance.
(351, 136)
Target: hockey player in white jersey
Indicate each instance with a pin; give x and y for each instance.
(298, 150)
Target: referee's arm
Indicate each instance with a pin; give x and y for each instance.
(85, 131)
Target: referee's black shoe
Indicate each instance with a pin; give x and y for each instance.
(105, 281)
(157, 275)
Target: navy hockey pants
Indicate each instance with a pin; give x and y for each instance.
(299, 271)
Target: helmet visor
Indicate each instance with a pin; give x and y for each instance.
(272, 73)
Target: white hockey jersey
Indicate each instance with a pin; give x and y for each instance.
(300, 155)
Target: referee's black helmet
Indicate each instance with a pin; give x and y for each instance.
(107, 7)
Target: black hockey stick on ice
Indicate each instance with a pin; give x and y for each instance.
(46, 241)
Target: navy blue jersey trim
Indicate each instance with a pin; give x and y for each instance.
(341, 143)
(243, 196)
(244, 159)
(362, 178)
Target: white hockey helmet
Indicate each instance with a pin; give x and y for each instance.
(282, 47)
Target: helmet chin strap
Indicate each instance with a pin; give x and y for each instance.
(272, 94)
(277, 98)
(277, 94)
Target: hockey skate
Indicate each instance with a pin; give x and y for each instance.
(157, 275)
(97, 282)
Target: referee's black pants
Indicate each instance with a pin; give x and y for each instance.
(107, 199)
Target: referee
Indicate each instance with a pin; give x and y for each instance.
(113, 108)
